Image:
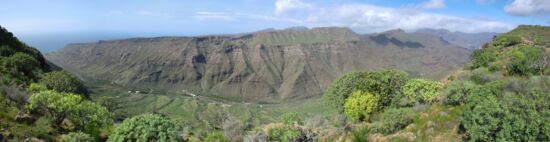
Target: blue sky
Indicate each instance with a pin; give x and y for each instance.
(49, 25)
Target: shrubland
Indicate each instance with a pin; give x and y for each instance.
(501, 95)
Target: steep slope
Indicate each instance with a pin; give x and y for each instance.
(470, 41)
(19, 63)
(266, 66)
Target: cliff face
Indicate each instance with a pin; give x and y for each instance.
(268, 66)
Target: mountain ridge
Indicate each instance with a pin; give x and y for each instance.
(268, 66)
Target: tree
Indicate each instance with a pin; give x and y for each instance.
(148, 127)
(360, 105)
(62, 81)
(86, 115)
(422, 90)
(76, 137)
(384, 83)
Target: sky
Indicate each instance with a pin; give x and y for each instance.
(49, 25)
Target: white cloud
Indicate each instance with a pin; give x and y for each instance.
(156, 14)
(434, 4)
(365, 18)
(145, 13)
(288, 6)
(528, 8)
(207, 16)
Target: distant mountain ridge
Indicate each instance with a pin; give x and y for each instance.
(265, 66)
(470, 41)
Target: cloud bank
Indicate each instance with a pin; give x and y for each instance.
(537, 8)
(366, 18)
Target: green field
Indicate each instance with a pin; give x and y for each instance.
(200, 111)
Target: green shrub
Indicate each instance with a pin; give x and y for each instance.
(148, 127)
(384, 83)
(393, 120)
(508, 117)
(483, 57)
(457, 91)
(507, 40)
(291, 118)
(422, 90)
(284, 133)
(523, 59)
(62, 81)
(360, 105)
(215, 137)
(87, 116)
(77, 137)
(36, 88)
(360, 135)
(20, 68)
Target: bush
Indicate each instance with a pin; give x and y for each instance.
(384, 83)
(215, 137)
(284, 134)
(256, 136)
(393, 120)
(148, 127)
(77, 137)
(86, 115)
(291, 118)
(36, 88)
(360, 135)
(523, 59)
(507, 40)
(360, 105)
(483, 57)
(457, 91)
(20, 68)
(422, 90)
(508, 117)
(62, 81)
(15, 95)
(233, 129)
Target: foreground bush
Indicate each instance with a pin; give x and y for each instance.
(144, 128)
(62, 81)
(284, 134)
(512, 117)
(422, 90)
(86, 116)
(384, 83)
(19, 68)
(360, 105)
(77, 137)
(457, 91)
(215, 137)
(393, 120)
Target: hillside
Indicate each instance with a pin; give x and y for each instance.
(19, 63)
(470, 41)
(502, 94)
(265, 66)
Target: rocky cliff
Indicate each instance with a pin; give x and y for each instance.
(265, 66)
